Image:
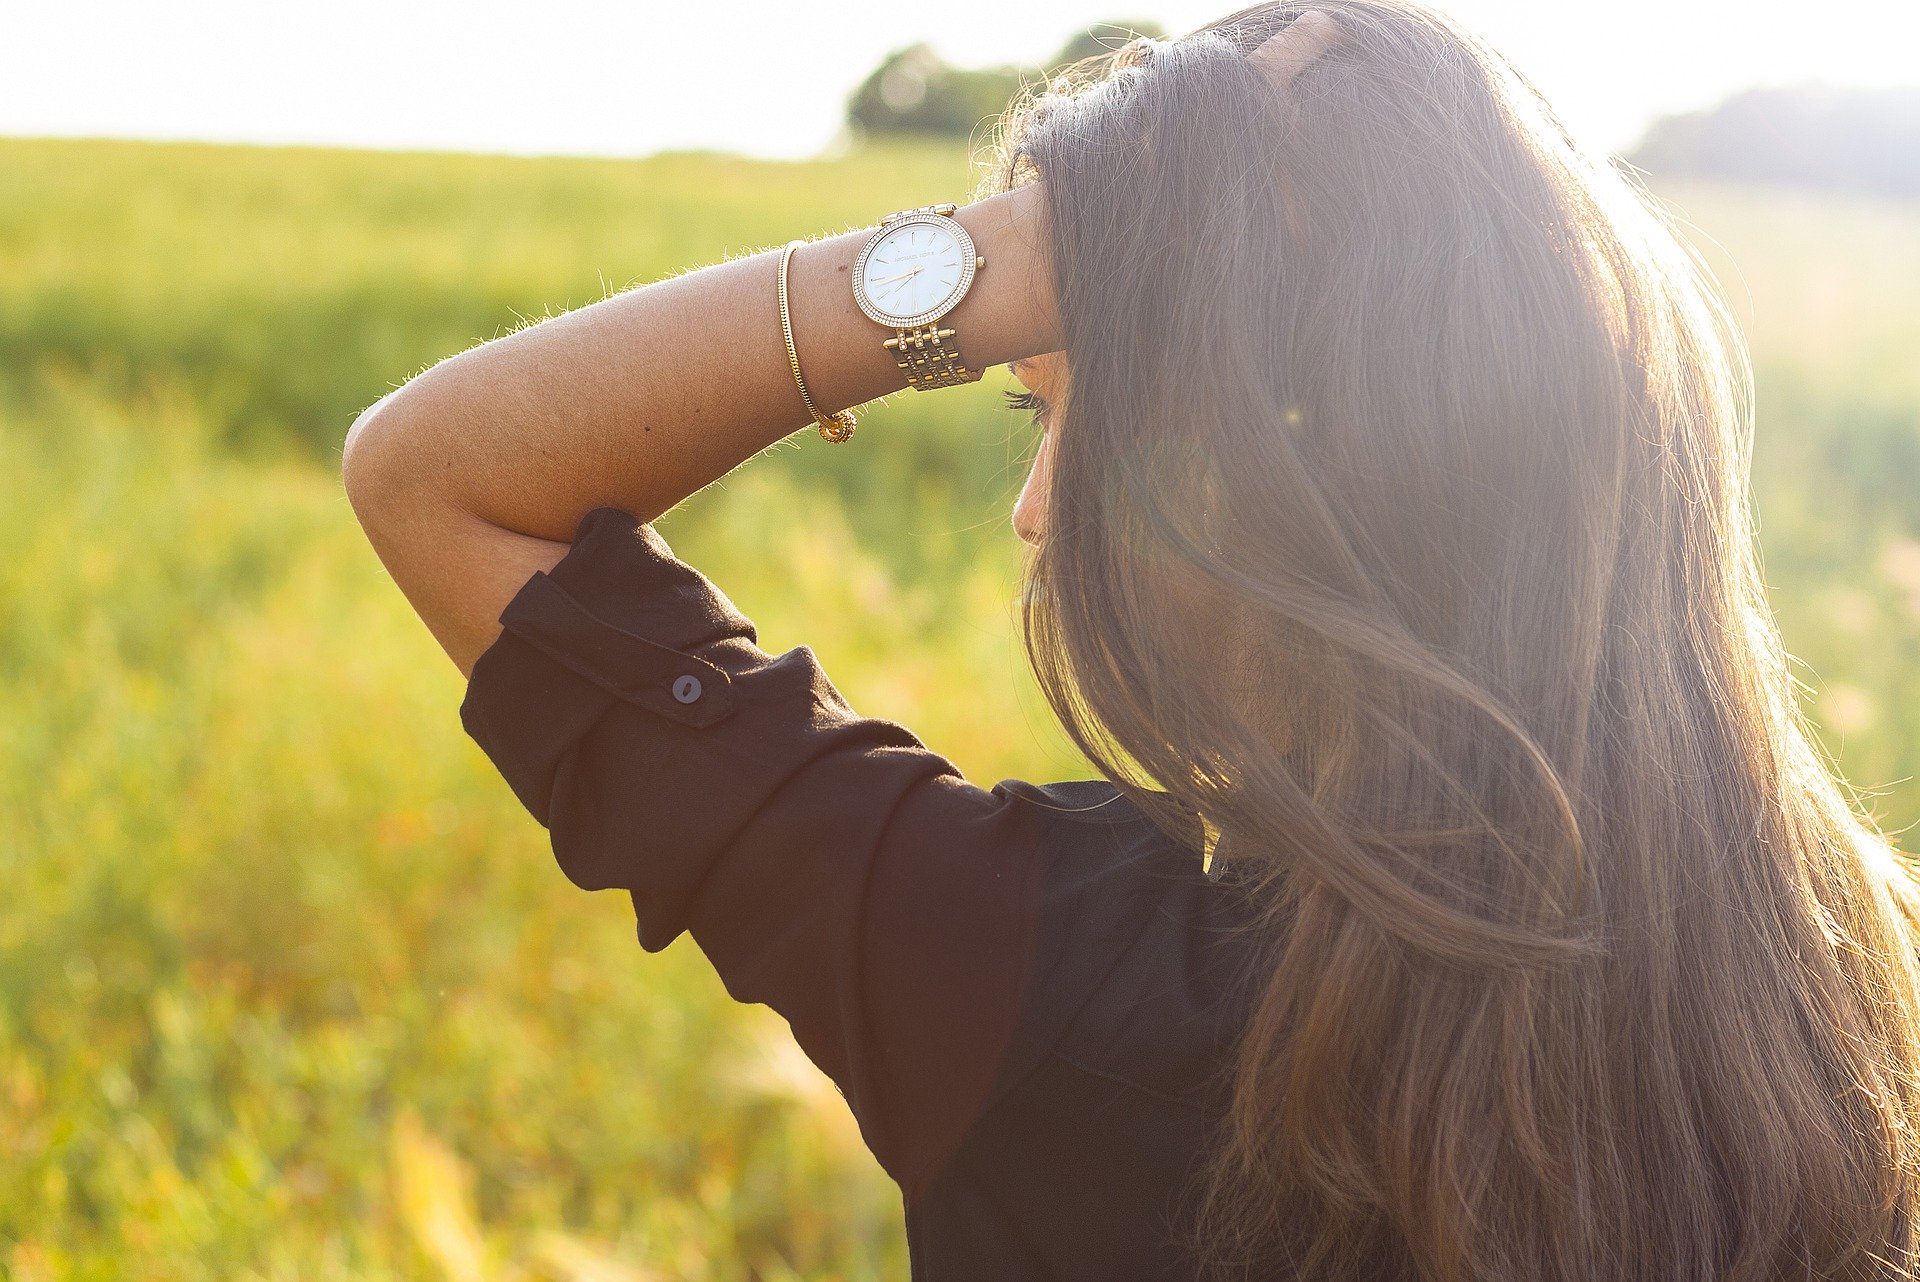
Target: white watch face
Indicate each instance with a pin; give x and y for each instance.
(913, 269)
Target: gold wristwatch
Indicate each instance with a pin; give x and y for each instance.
(915, 269)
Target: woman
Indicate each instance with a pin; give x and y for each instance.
(1390, 529)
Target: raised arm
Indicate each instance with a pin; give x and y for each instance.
(474, 474)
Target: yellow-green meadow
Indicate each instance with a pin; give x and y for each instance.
(290, 986)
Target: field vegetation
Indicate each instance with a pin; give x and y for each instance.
(290, 987)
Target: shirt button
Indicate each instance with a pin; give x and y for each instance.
(687, 688)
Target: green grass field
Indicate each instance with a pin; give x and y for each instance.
(290, 987)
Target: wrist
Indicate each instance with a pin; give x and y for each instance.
(1009, 314)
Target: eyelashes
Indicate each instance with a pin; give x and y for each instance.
(1030, 403)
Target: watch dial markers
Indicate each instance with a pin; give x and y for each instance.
(912, 270)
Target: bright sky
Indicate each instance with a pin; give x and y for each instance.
(769, 79)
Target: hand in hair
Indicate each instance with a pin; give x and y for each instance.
(1285, 54)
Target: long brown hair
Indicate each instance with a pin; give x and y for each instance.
(1399, 526)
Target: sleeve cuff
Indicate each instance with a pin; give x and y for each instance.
(619, 617)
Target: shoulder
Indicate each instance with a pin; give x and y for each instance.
(1089, 801)
(1141, 960)
(1107, 868)
(1099, 841)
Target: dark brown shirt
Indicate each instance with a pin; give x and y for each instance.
(1024, 993)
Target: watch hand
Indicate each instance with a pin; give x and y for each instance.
(902, 276)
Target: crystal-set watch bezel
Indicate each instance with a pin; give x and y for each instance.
(969, 264)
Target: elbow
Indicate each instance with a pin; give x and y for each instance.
(374, 466)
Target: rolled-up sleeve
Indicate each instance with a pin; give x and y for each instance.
(828, 864)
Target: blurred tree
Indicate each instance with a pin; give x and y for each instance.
(913, 91)
(1103, 37)
(1806, 136)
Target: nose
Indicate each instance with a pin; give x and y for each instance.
(1025, 525)
(1030, 510)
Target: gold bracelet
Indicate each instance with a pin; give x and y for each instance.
(838, 427)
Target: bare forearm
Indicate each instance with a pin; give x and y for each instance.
(648, 396)
(474, 474)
